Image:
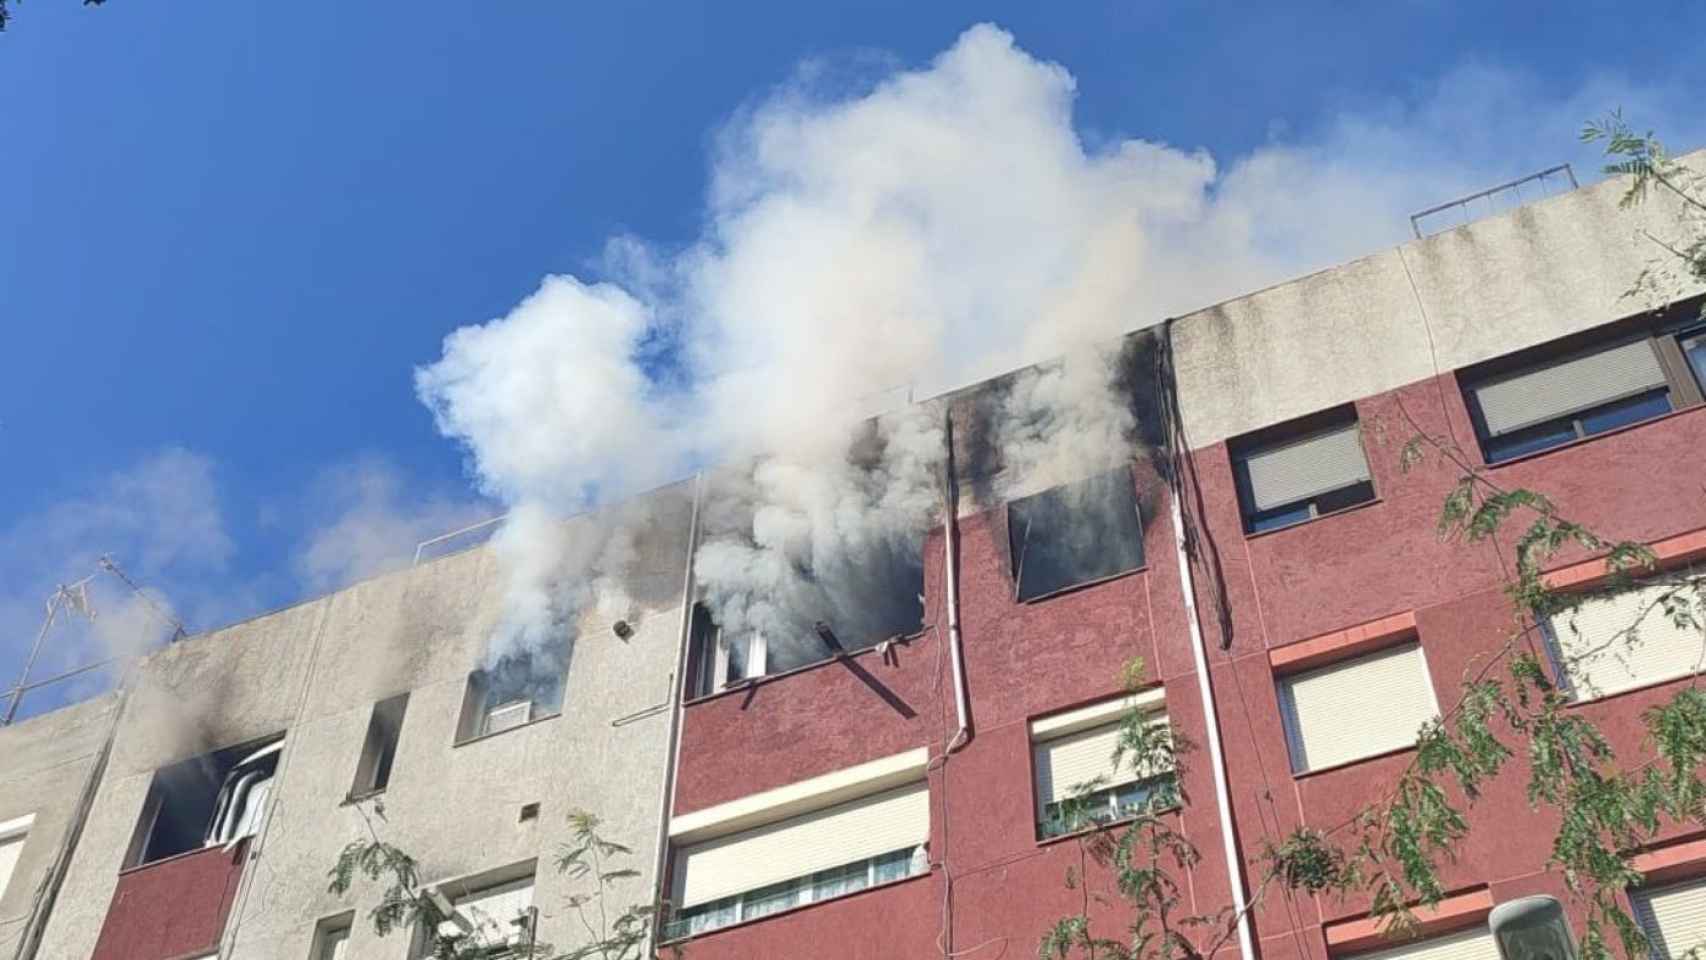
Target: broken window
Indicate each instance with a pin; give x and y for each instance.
(490, 915)
(379, 750)
(521, 687)
(721, 658)
(1074, 534)
(215, 799)
(724, 658)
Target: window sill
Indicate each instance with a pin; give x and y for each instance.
(1110, 578)
(1579, 441)
(1343, 764)
(739, 924)
(519, 726)
(352, 799)
(1260, 534)
(1173, 811)
(742, 686)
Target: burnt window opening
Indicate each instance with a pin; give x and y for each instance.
(215, 799)
(721, 659)
(1074, 534)
(379, 749)
(1300, 470)
(522, 687)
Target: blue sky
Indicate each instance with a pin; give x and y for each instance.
(232, 231)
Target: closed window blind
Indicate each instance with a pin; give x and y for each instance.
(1569, 387)
(1626, 640)
(1306, 468)
(1474, 944)
(1674, 918)
(1356, 708)
(1064, 762)
(799, 846)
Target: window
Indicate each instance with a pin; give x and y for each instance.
(331, 937)
(1356, 708)
(722, 660)
(1079, 783)
(1644, 635)
(802, 859)
(1074, 534)
(493, 911)
(1583, 385)
(1301, 470)
(521, 687)
(1476, 943)
(13, 833)
(379, 749)
(212, 800)
(1673, 918)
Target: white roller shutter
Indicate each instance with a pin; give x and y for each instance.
(1067, 761)
(1674, 918)
(1306, 468)
(1603, 658)
(1356, 708)
(1475, 943)
(799, 846)
(1551, 392)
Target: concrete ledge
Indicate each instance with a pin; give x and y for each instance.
(799, 797)
(1341, 643)
(1672, 862)
(1671, 550)
(1453, 913)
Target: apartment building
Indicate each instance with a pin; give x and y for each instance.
(901, 795)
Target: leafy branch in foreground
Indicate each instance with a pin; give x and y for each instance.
(404, 904)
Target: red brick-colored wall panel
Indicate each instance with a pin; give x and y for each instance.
(172, 908)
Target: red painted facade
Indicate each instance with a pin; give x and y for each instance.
(994, 888)
(172, 908)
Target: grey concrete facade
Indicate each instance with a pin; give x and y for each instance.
(314, 671)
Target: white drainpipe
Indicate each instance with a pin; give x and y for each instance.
(1205, 690)
(950, 562)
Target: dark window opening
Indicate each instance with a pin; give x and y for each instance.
(519, 688)
(379, 749)
(212, 800)
(1074, 534)
(1301, 470)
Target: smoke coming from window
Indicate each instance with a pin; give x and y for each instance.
(866, 231)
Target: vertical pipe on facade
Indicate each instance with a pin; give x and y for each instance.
(1205, 690)
(950, 559)
(672, 759)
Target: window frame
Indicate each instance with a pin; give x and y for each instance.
(1297, 430)
(328, 927)
(1556, 655)
(1663, 332)
(1291, 727)
(802, 890)
(16, 830)
(1641, 908)
(379, 747)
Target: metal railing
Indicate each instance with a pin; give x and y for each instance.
(1546, 184)
(457, 541)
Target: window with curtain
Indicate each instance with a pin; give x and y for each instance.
(832, 852)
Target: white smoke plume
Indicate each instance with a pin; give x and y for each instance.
(928, 227)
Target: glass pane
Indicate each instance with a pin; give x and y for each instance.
(1694, 348)
(1534, 439)
(893, 866)
(1146, 796)
(841, 880)
(1281, 517)
(768, 900)
(1624, 412)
